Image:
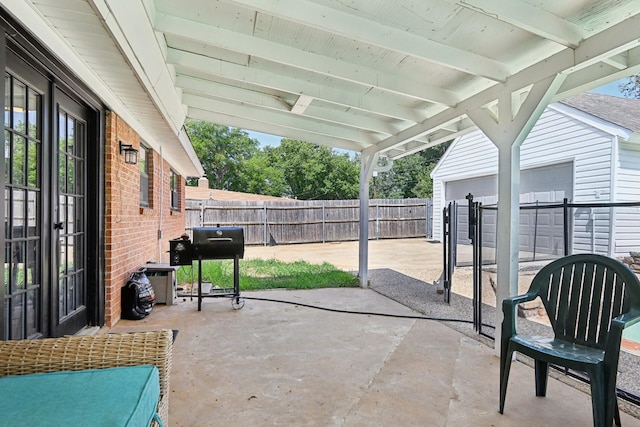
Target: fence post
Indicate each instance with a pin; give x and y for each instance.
(264, 225)
(377, 219)
(201, 214)
(426, 218)
(324, 236)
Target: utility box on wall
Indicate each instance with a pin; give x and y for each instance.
(164, 280)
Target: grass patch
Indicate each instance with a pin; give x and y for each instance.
(256, 274)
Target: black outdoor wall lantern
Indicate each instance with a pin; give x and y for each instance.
(130, 153)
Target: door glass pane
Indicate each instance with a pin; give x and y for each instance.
(78, 214)
(62, 300)
(80, 287)
(34, 115)
(16, 317)
(70, 135)
(7, 213)
(17, 278)
(17, 206)
(62, 218)
(78, 249)
(32, 163)
(62, 131)
(7, 157)
(71, 292)
(19, 148)
(7, 267)
(70, 172)
(19, 107)
(7, 318)
(33, 207)
(7, 100)
(33, 312)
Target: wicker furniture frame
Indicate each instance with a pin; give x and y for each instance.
(77, 353)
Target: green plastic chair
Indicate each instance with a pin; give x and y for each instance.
(589, 299)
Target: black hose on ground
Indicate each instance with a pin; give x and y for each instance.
(366, 313)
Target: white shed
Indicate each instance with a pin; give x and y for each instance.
(585, 148)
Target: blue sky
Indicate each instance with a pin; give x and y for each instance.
(264, 139)
(272, 140)
(610, 89)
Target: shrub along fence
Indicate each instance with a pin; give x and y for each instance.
(276, 222)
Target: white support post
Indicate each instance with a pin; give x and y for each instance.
(366, 171)
(508, 130)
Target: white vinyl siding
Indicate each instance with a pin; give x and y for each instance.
(555, 139)
(627, 231)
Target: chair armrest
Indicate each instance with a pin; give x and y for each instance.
(75, 353)
(509, 312)
(629, 319)
(614, 338)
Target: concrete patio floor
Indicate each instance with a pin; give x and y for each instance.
(274, 364)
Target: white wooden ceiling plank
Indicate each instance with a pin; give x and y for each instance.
(416, 145)
(80, 12)
(280, 118)
(216, 90)
(367, 102)
(212, 89)
(66, 23)
(354, 26)
(610, 42)
(301, 134)
(63, 4)
(359, 121)
(91, 42)
(530, 18)
(334, 67)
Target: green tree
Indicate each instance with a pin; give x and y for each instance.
(410, 176)
(311, 171)
(263, 177)
(223, 152)
(424, 186)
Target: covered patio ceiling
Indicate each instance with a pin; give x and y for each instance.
(374, 76)
(392, 77)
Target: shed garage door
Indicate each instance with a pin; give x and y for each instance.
(541, 230)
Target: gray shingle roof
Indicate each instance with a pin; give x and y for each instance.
(624, 112)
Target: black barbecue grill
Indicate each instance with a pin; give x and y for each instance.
(212, 243)
(218, 242)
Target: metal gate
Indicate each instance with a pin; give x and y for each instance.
(450, 242)
(569, 212)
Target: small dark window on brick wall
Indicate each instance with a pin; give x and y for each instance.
(174, 181)
(143, 162)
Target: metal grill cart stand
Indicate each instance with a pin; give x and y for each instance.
(212, 243)
(234, 293)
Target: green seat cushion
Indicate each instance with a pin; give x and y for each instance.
(126, 396)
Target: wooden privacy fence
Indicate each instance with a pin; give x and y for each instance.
(270, 223)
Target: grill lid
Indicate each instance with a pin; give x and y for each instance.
(218, 242)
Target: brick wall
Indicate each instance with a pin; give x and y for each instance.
(132, 231)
